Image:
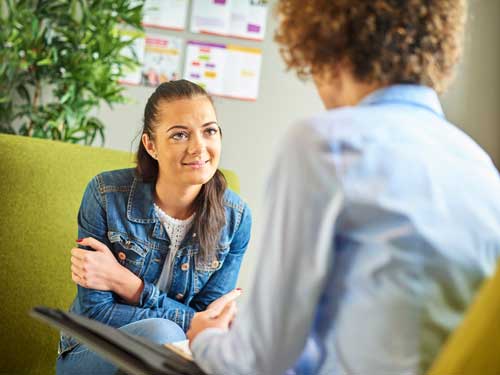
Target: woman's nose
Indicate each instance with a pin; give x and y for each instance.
(196, 145)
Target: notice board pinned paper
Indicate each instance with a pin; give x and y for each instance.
(162, 59)
(235, 18)
(224, 70)
(165, 14)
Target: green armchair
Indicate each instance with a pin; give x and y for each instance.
(41, 187)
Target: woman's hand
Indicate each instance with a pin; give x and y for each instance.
(220, 314)
(218, 305)
(207, 319)
(100, 270)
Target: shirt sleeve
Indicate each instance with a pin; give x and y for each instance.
(302, 201)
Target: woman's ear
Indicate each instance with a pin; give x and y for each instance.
(149, 146)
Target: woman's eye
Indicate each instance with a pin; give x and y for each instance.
(179, 136)
(212, 131)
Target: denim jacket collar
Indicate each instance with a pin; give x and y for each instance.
(416, 95)
(140, 203)
(140, 207)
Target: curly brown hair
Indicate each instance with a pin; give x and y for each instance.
(383, 41)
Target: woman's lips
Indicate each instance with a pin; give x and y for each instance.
(196, 164)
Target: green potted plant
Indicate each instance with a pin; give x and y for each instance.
(59, 60)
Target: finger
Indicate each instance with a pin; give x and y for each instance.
(79, 280)
(94, 244)
(231, 296)
(227, 314)
(220, 302)
(234, 316)
(79, 253)
(80, 275)
(212, 313)
(77, 261)
(85, 262)
(77, 271)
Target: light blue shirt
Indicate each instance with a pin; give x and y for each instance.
(382, 220)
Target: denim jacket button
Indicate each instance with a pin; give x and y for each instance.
(215, 264)
(179, 296)
(122, 255)
(184, 266)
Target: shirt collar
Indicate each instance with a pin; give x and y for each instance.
(417, 95)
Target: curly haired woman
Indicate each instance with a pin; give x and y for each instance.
(382, 217)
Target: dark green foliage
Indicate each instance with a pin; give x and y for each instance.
(59, 59)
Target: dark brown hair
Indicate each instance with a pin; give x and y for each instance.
(209, 204)
(383, 41)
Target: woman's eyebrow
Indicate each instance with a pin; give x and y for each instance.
(186, 127)
(177, 126)
(209, 123)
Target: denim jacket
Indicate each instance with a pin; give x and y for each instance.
(117, 209)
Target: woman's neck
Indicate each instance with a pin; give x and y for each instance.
(342, 89)
(176, 201)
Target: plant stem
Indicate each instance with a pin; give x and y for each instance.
(35, 105)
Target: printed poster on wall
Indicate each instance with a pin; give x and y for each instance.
(224, 70)
(133, 76)
(165, 14)
(242, 72)
(235, 18)
(162, 59)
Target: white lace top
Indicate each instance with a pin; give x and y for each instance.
(176, 230)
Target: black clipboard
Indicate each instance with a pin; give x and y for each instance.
(133, 354)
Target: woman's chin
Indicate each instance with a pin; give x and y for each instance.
(200, 177)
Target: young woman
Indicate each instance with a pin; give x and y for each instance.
(382, 217)
(168, 238)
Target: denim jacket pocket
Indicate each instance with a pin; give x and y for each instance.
(213, 262)
(128, 251)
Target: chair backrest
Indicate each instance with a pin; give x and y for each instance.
(41, 188)
(473, 348)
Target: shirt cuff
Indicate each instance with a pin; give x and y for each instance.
(200, 348)
(149, 295)
(181, 317)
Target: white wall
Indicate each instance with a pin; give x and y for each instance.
(251, 129)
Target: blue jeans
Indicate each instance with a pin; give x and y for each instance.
(82, 360)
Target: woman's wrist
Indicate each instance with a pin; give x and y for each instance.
(128, 286)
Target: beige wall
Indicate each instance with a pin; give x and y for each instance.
(473, 100)
(251, 130)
